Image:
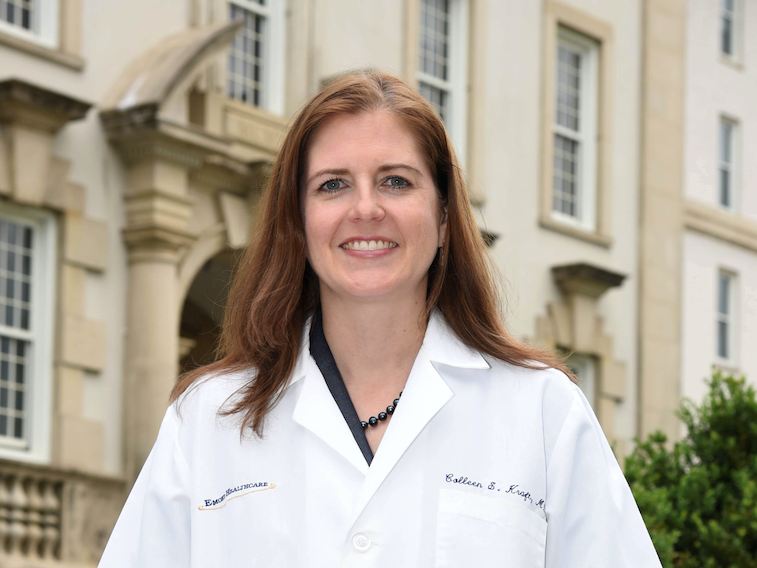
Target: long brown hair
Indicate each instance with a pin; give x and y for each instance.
(274, 289)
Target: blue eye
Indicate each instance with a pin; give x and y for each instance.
(396, 181)
(332, 185)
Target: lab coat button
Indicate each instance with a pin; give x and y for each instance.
(361, 542)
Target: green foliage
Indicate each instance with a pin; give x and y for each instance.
(699, 500)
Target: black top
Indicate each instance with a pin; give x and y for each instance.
(319, 349)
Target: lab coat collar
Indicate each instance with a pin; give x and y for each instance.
(443, 346)
(425, 393)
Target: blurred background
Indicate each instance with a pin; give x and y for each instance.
(605, 143)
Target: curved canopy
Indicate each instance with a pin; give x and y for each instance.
(152, 78)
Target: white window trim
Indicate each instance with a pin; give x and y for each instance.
(586, 186)
(731, 320)
(36, 448)
(733, 166)
(275, 44)
(46, 24)
(736, 18)
(457, 85)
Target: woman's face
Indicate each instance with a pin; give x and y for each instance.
(372, 215)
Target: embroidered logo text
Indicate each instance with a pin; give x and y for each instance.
(234, 492)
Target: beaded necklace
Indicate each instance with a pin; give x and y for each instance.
(373, 421)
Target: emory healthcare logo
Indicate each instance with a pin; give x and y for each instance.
(234, 492)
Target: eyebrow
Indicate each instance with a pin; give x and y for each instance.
(342, 171)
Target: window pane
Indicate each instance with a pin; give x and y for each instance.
(434, 38)
(15, 273)
(13, 399)
(727, 36)
(437, 97)
(246, 71)
(723, 294)
(726, 141)
(565, 180)
(568, 88)
(723, 340)
(725, 188)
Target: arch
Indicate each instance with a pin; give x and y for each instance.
(212, 242)
(152, 78)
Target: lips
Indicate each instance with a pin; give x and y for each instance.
(368, 245)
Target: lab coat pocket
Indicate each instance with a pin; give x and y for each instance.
(482, 531)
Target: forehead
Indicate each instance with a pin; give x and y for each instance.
(368, 137)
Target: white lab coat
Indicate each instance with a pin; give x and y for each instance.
(483, 464)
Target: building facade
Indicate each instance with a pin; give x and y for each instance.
(719, 315)
(135, 140)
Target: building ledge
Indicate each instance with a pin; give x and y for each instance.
(595, 238)
(585, 279)
(37, 106)
(66, 59)
(727, 227)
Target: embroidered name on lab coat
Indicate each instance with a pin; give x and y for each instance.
(234, 492)
(492, 486)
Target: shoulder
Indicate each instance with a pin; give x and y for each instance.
(210, 394)
(547, 384)
(543, 393)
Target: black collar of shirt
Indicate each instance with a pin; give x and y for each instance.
(321, 353)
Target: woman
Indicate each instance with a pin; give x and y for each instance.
(386, 416)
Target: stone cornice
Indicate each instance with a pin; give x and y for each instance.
(37, 106)
(725, 226)
(139, 134)
(159, 240)
(585, 279)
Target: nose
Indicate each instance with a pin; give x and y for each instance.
(366, 204)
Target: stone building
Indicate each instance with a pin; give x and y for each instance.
(135, 139)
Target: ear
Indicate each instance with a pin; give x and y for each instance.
(443, 228)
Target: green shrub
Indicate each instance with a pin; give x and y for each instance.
(699, 500)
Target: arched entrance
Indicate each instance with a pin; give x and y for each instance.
(202, 311)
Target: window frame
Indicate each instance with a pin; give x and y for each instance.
(732, 165)
(586, 135)
(37, 446)
(730, 319)
(456, 85)
(273, 54)
(47, 23)
(736, 36)
(557, 17)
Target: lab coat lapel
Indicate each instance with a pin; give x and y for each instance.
(317, 411)
(424, 395)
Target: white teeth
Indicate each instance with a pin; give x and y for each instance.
(368, 245)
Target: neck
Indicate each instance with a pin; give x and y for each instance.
(374, 343)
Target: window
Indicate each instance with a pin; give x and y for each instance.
(728, 30)
(255, 70)
(442, 66)
(25, 328)
(35, 20)
(726, 316)
(726, 163)
(575, 130)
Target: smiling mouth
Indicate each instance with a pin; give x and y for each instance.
(368, 245)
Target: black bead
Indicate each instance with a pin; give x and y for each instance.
(372, 421)
(382, 416)
(364, 424)
(396, 401)
(390, 409)
(401, 392)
